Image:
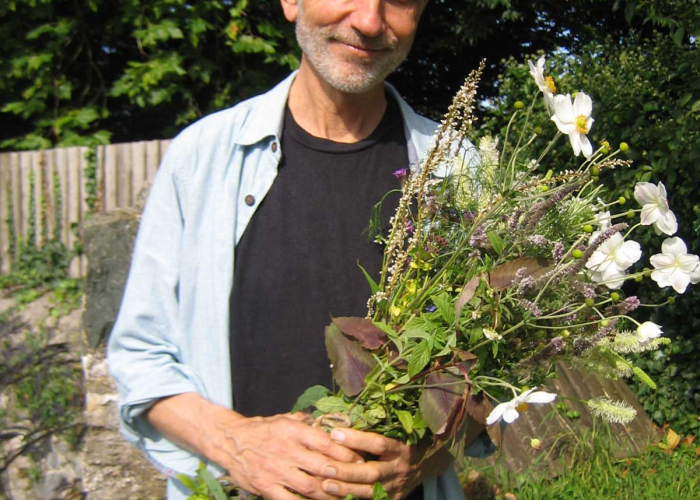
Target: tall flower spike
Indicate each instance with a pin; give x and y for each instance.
(575, 121)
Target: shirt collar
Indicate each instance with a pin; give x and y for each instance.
(265, 118)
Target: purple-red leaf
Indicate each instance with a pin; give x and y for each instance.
(466, 295)
(501, 277)
(437, 404)
(369, 335)
(351, 362)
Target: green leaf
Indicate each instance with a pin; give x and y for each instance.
(309, 398)
(443, 302)
(186, 480)
(372, 284)
(212, 484)
(496, 241)
(331, 404)
(406, 420)
(419, 358)
(379, 493)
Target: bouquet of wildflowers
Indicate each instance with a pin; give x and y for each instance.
(494, 272)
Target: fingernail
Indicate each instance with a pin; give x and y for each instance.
(337, 436)
(329, 471)
(360, 461)
(331, 488)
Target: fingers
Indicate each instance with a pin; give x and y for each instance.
(368, 442)
(367, 473)
(317, 440)
(340, 489)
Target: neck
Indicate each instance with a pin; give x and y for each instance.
(328, 113)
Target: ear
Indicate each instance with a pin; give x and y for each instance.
(291, 9)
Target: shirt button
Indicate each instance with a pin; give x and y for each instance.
(274, 147)
(250, 200)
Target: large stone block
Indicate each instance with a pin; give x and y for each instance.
(109, 243)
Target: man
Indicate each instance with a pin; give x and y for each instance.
(200, 327)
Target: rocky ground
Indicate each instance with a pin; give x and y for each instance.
(103, 466)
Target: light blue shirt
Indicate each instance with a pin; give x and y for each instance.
(172, 332)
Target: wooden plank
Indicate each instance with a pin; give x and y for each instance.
(138, 169)
(48, 170)
(37, 167)
(123, 176)
(100, 174)
(110, 178)
(25, 166)
(73, 203)
(5, 193)
(153, 158)
(16, 196)
(62, 169)
(83, 208)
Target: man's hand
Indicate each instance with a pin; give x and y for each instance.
(271, 457)
(400, 468)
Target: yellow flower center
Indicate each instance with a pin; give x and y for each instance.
(550, 84)
(522, 407)
(582, 124)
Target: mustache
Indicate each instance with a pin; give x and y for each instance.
(355, 39)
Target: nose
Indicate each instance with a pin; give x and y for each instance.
(368, 17)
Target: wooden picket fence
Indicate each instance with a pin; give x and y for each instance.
(122, 171)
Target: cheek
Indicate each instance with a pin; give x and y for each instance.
(402, 21)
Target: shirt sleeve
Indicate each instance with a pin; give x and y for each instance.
(144, 355)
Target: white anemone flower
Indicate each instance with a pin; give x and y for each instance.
(647, 331)
(655, 208)
(674, 266)
(544, 83)
(508, 411)
(610, 261)
(602, 219)
(574, 119)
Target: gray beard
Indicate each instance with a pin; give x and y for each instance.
(314, 42)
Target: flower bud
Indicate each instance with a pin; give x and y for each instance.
(615, 296)
(630, 214)
(624, 146)
(519, 105)
(544, 188)
(605, 323)
(595, 171)
(577, 254)
(622, 200)
(589, 302)
(535, 443)
(588, 228)
(671, 300)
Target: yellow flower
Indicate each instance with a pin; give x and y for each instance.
(395, 311)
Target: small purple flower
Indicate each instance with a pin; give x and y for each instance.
(469, 216)
(409, 227)
(588, 292)
(558, 252)
(537, 240)
(430, 308)
(400, 173)
(631, 303)
(531, 307)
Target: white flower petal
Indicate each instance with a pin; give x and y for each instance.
(650, 214)
(540, 397)
(565, 128)
(627, 254)
(574, 139)
(679, 280)
(645, 193)
(586, 146)
(674, 246)
(688, 262)
(564, 109)
(583, 105)
(667, 223)
(510, 415)
(496, 414)
(661, 261)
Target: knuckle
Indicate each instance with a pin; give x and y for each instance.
(381, 445)
(374, 475)
(305, 486)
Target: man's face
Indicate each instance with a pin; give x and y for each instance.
(355, 44)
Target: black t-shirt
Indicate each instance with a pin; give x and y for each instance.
(296, 264)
